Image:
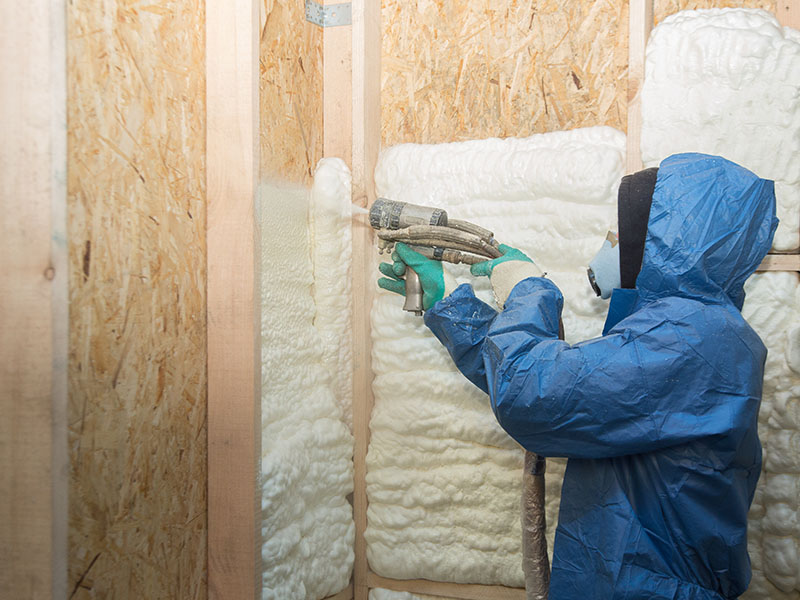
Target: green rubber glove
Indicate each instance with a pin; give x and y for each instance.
(485, 268)
(436, 282)
(506, 272)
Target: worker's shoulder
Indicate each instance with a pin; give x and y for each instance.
(688, 317)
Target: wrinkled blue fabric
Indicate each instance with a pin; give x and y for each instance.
(658, 416)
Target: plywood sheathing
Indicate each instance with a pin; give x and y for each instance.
(137, 374)
(456, 70)
(664, 8)
(291, 92)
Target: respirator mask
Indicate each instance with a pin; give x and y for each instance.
(604, 271)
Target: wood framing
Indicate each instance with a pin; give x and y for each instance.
(337, 91)
(462, 591)
(640, 23)
(234, 361)
(788, 12)
(366, 106)
(780, 262)
(33, 300)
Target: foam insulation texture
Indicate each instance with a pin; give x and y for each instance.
(727, 82)
(773, 309)
(443, 479)
(307, 468)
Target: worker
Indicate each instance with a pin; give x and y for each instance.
(658, 416)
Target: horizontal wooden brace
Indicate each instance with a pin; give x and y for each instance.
(780, 262)
(462, 591)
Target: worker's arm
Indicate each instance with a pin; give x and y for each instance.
(464, 320)
(638, 389)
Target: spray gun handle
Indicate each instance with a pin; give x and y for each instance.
(413, 301)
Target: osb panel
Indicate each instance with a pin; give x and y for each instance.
(664, 8)
(137, 378)
(291, 92)
(461, 69)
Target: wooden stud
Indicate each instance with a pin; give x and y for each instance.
(337, 91)
(640, 23)
(366, 70)
(788, 12)
(33, 301)
(462, 591)
(234, 362)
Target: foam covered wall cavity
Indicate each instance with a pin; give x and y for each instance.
(773, 309)
(727, 81)
(443, 479)
(307, 468)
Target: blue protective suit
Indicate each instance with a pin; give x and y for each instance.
(658, 416)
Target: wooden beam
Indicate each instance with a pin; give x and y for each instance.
(780, 262)
(366, 96)
(640, 23)
(788, 12)
(33, 300)
(462, 591)
(366, 70)
(337, 91)
(234, 362)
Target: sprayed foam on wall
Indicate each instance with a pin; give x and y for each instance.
(307, 468)
(727, 81)
(443, 479)
(773, 309)
(331, 243)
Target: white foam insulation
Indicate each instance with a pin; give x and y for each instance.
(727, 82)
(443, 479)
(307, 467)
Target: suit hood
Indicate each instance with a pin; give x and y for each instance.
(711, 223)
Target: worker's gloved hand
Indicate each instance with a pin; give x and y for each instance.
(506, 272)
(436, 282)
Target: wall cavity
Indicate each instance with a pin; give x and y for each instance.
(443, 479)
(307, 467)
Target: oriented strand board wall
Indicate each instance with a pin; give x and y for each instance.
(137, 370)
(291, 92)
(461, 69)
(664, 8)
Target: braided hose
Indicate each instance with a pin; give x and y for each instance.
(535, 563)
(464, 242)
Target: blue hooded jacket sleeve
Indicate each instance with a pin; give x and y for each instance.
(610, 396)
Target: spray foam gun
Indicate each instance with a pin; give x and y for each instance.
(429, 231)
